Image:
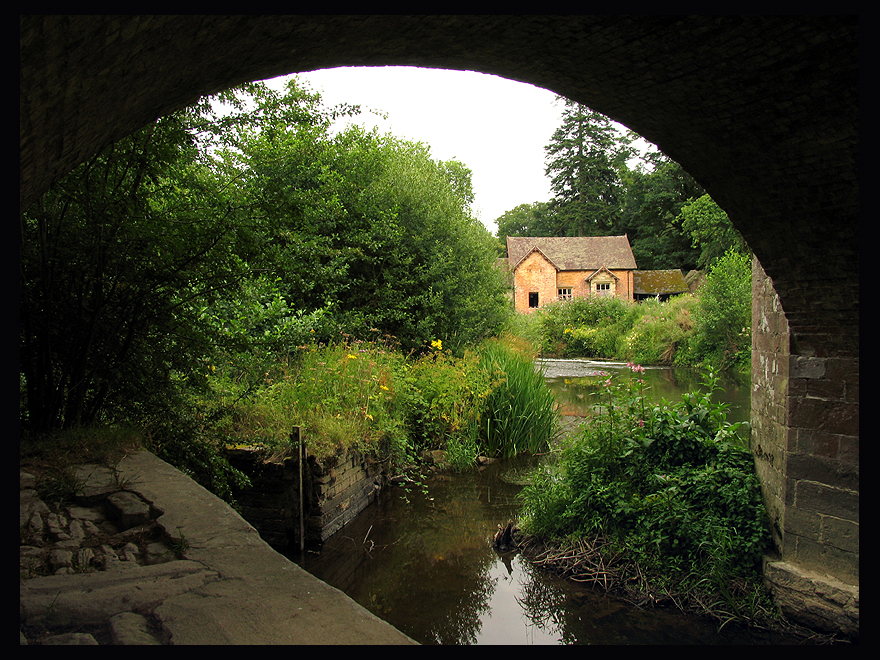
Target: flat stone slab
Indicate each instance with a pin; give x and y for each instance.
(230, 587)
(57, 601)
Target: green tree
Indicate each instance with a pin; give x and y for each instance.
(710, 230)
(524, 220)
(114, 261)
(370, 225)
(653, 199)
(583, 161)
(724, 313)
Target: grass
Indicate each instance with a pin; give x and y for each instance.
(53, 457)
(338, 394)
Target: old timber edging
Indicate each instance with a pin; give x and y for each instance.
(335, 491)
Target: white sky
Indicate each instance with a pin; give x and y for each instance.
(496, 127)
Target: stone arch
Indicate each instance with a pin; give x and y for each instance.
(762, 110)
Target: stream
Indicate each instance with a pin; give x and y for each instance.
(422, 559)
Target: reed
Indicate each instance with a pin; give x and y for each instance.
(520, 414)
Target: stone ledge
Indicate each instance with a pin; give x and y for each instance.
(230, 588)
(817, 601)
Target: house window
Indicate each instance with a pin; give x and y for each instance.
(533, 298)
(564, 294)
(603, 288)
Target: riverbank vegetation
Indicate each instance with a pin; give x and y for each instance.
(656, 499)
(709, 329)
(241, 266)
(486, 401)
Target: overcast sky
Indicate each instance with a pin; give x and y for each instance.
(497, 127)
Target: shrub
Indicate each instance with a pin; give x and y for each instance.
(724, 314)
(559, 319)
(660, 331)
(672, 482)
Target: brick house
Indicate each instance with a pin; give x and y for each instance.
(551, 268)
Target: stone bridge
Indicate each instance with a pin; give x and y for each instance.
(761, 110)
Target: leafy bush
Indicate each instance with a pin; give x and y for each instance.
(724, 311)
(660, 331)
(672, 482)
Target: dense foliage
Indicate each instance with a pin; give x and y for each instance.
(114, 261)
(172, 281)
(489, 401)
(236, 230)
(601, 187)
(711, 328)
(673, 484)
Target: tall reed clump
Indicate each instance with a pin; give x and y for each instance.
(520, 414)
(489, 401)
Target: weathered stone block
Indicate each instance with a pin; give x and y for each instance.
(806, 367)
(811, 555)
(818, 601)
(821, 469)
(827, 500)
(127, 509)
(841, 534)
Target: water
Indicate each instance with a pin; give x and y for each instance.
(422, 559)
(574, 381)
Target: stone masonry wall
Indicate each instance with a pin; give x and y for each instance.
(343, 487)
(805, 439)
(334, 492)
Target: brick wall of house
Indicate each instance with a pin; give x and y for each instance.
(535, 273)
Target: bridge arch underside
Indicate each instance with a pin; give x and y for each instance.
(763, 111)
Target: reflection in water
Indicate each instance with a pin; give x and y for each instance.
(423, 561)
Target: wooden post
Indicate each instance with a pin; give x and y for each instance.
(297, 430)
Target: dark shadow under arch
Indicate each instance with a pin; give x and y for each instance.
(761, 110)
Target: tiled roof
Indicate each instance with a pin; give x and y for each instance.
(574, 252)
(654, 282)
